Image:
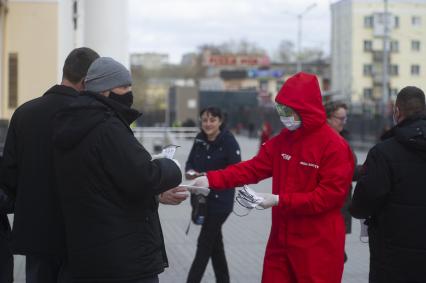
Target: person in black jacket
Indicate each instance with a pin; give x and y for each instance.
(27, 174)
(214, 148)
(6, 257)
(109, 184)
(391, 195)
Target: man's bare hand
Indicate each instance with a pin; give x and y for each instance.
(174, 196)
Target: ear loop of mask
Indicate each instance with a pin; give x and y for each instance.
(246, 198)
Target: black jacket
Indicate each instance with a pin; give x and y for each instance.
(391, 195)
(218, 154)
(27, 174)
(5, 208)
(108, 189)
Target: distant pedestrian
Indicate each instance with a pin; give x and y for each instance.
(266, 132)
(27, 175)
(214, 148)
(109, 186)
(251, 131)
(311, 168)
(391, 195)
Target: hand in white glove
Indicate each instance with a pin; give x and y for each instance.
(199, 186)
(269, 200)
(201, 181)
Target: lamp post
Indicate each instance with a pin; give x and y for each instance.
(385, 56)
(299, 34)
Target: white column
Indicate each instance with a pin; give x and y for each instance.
(106, 28)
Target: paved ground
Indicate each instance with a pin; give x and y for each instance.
(245, 237)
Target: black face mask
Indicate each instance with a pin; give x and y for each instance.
(125, 99)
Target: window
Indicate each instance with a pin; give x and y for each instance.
(368, 93)
(394, 46)
(367, 70)
(415, 70)
(368, 45)
(415, 45)
(13, 80)
(416, 21)
(394, 70)
(368, 21)
(396, 18)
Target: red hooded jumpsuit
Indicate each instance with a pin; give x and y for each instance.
(311, 170)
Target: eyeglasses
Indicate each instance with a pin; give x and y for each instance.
(284, 110)
(341, 119)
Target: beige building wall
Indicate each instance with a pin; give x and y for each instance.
(348, 26)
(31, 32)
(406, 57)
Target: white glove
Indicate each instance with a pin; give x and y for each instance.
(269, 200)
(201, 181)
(199, 186)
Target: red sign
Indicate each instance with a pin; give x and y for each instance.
(236, 60)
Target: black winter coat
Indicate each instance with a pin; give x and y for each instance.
(6, 206)
(108, 189)
(391, 195)
(27, 174)
(218, 154)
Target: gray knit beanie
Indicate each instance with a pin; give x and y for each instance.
(105, 74)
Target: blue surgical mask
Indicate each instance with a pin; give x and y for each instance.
(290, 123)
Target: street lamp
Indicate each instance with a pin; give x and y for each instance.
(385, 70)
(299, 34)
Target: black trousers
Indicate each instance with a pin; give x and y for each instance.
(210, 245)
(46, 269)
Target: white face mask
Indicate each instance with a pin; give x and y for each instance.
(290, 123)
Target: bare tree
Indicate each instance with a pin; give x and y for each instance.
(286, 53)
(233, 47)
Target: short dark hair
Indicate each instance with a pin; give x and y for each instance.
(77, 64)
(410, 101)
(215, 112)
(331, 107)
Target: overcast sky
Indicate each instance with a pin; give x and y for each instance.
(180, 26)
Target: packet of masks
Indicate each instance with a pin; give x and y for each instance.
(248, 198)
(167, 152)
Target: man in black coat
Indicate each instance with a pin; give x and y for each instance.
(109, 184)
(27, 174)
(391, 195)
(6, 257)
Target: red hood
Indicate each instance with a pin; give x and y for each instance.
(301, 92)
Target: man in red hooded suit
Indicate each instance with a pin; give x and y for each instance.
(311, 168)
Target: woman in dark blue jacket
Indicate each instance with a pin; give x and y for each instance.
(214, 148)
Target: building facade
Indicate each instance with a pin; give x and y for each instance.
(357, 48)
(37, 35)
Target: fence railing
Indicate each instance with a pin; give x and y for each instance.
(161, 136)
